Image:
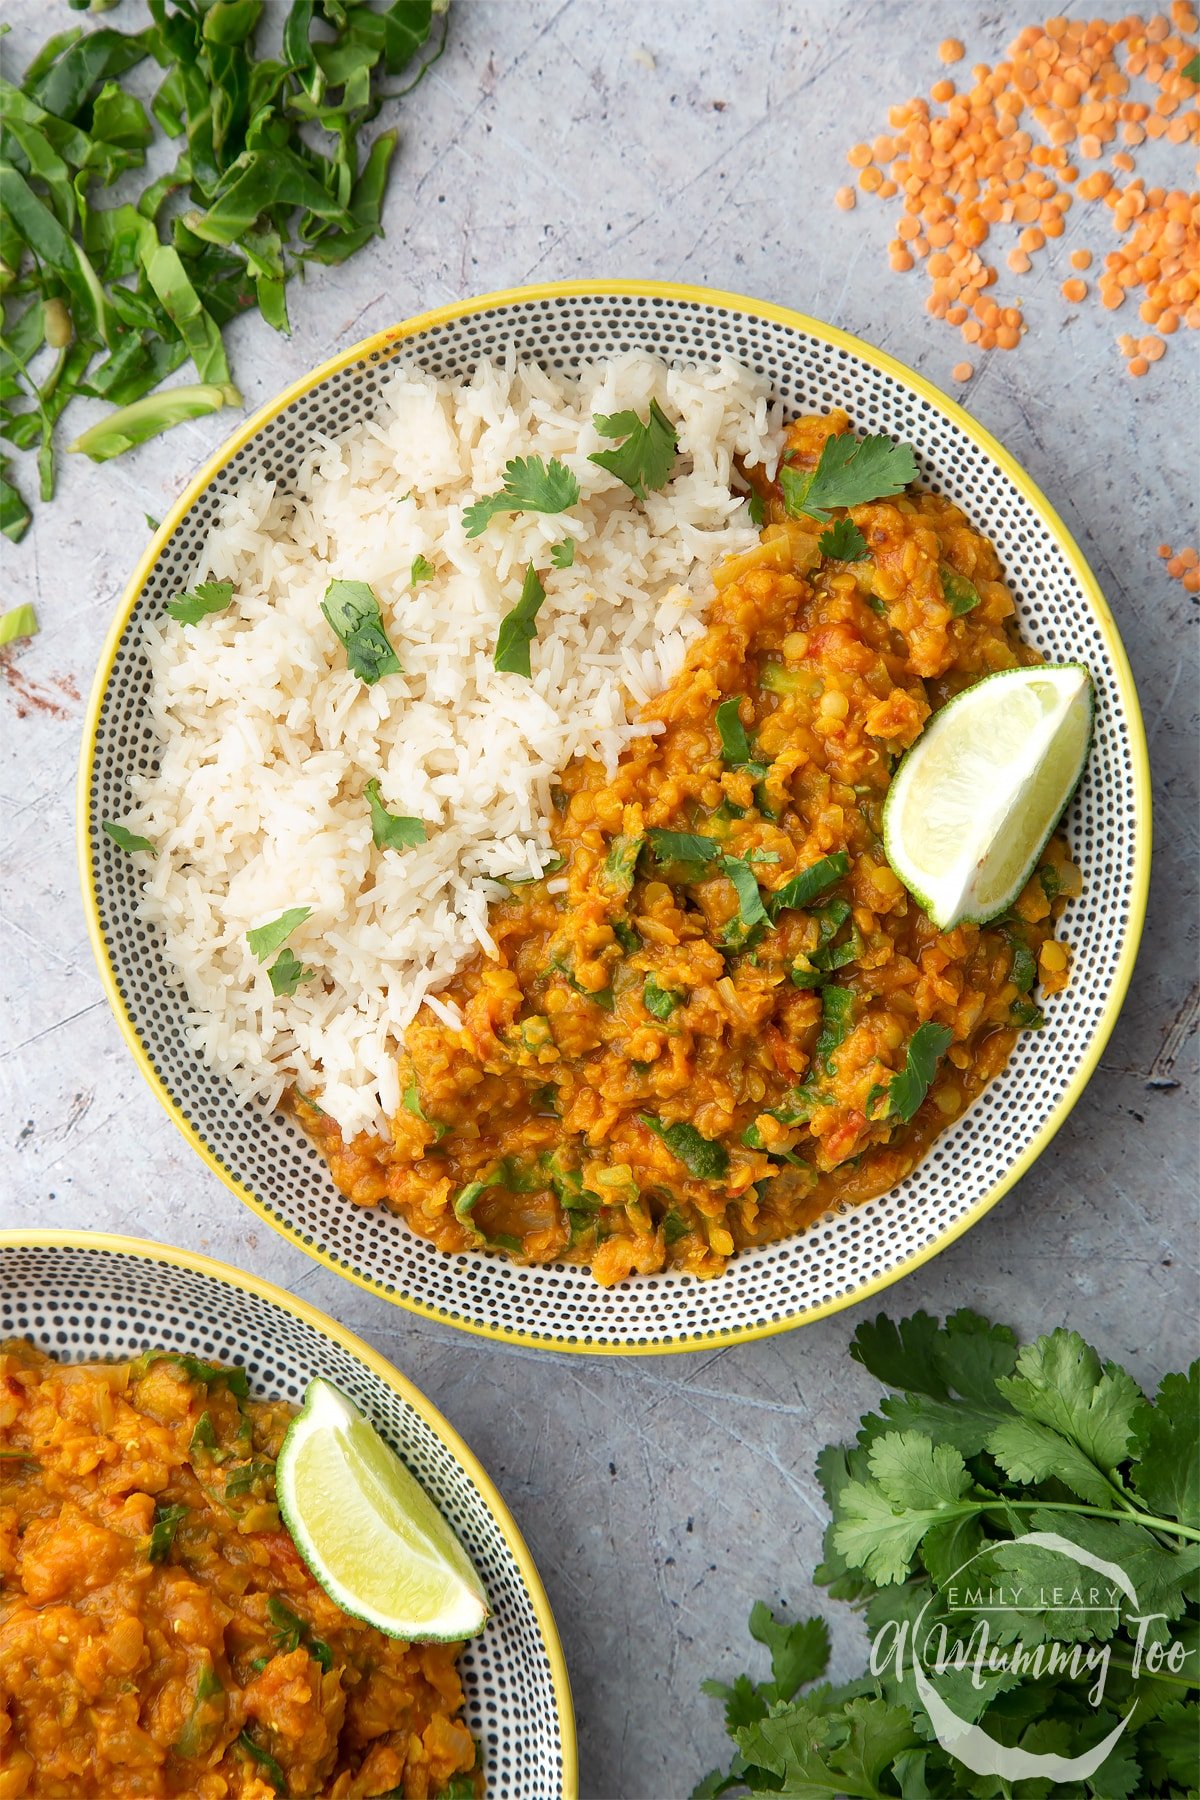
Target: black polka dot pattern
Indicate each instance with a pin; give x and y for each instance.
(82, 1303)
(269, 1163)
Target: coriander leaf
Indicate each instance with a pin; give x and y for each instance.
(1059, 1382)
(353, 611)
(125, 840)
(744, 1703)
(799, 1652)
(879, 1523)
(422, 570)
(1029, 1452)
(286, 974)
(644, 460)
(907, 1090)
(562, 554)
(517, 629)
(392, 831)
(683, 856)
(810, 882)
(851, 471)
(263, 939)
(960, 594)
(19, 622)
(1166, 1438)
(530, 485)
(757, 510)
(191, 605)
(843, 540)
(751, 915)
(902, 1354)
(700, 1156)
(167, 1520)
(660, 1002)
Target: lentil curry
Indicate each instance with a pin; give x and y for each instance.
(159, 1634)
(727, 1015)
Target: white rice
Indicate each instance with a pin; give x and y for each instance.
(268, 739)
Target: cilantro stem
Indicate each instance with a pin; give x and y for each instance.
(1171, 1526)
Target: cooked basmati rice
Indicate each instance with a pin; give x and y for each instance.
(268, 739)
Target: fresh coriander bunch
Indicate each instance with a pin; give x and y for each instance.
(269, 172)
(982, 1450)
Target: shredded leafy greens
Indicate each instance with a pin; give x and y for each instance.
(273, 168)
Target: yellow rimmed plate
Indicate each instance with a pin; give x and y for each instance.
(269, 1164)
(83, 1296)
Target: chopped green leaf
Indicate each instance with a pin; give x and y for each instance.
(1023, 972)
(850, 472)
(1026, 1015)
(661, 1002)
(926, 1048)
(683, 856)
(353, 611)
(735, 744)
(645, 459)
(266, 1763)
(802, 889)
(530, 485)
(205, 1719)
(620, 866)
(191, 605)
(758, 511)
(843, 540)
(19, 622)
(203, 1442)
(392, 831)
(229, 1375)
(518, 628)
(126, 840)
(1191, 69)
(264, 939)
(464, 1206)
(751, 915)
(167, 1520)
(961, 594)
(289, 1631)
(422, 570)
(410, 1100)
(837, 1014)
(287, 973)
(144, 419)
(700, 1156)
(562, 554)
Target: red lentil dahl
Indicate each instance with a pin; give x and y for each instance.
(642, 1080)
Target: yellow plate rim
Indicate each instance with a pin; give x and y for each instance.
(386, 342)
(146, 1250)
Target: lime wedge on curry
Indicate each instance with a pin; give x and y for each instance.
(974, 801)
(368, 1530)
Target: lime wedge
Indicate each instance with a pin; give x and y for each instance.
(368, 1530)
(974, 801)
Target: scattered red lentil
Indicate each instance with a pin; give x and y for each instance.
(975, 165)
(962, 371)
(845, 198)
(1183, 566)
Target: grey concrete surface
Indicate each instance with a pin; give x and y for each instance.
(700, 141)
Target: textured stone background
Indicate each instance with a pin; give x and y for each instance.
(659, 1498)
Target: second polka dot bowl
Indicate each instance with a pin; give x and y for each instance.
(88, 1297)
(846, 1256)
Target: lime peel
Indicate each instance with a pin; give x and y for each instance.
(975, 800)
(367, 1529)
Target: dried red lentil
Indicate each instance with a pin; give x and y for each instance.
(976, 165)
